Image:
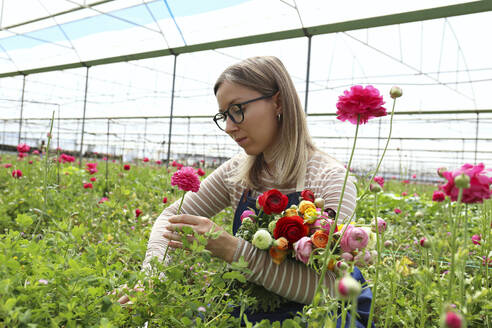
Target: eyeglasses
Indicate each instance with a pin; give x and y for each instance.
(235, 112)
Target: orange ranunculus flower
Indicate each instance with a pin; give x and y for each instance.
(319, 239)
(304, 205)
(278, 255)
(331, 264)
(281, 244)
(291, 212)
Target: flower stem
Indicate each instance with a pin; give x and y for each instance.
(344, 313)
(364, 192)
(378, 247)
(327, 255)
(463, 269)
(45, 180)
(353, 312)
(453, 247)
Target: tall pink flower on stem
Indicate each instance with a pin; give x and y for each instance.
(358, 105)
(379, 180)
(186, 179)
(354, 238)
(479, 184)
(23, 148)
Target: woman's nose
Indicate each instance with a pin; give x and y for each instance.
(230, 125)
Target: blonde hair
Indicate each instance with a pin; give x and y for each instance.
(267, 75)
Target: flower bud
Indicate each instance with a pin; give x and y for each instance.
(452, 320)
(424, 242)
(262, 239)
(476, 239)
(396, 92)
(462, 181)
(319, 203)
(348, 287)
(388, 244)
(341, 266)
(375, 188)
(419, 214)
(441, 170)
(271, 226)
(346, 256)
(380, 223)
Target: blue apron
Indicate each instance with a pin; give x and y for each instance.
(289, 310)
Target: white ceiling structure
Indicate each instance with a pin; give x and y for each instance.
(115, 58)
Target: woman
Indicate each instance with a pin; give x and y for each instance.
(259, 108)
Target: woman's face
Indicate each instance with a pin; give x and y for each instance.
(258, 131)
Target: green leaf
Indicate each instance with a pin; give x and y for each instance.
(23, 220)
(234, 275)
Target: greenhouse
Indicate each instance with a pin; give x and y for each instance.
(107, 131)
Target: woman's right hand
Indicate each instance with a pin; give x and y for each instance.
(125, 298)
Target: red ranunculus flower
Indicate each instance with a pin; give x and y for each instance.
(273, 201)
(146, 159)
(307, 194)
(93, 179)
(438, 196)
(16, 174)
(126, 167)
(479, 184)
(23, 148)
(138, 212)
(200, 172)
(87, 185)
(164, 200)
(292, 228)
(359, 101)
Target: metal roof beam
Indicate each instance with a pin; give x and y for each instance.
(400, 18)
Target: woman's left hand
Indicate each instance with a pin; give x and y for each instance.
(223, 247)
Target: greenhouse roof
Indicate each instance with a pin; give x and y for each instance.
(67, 34)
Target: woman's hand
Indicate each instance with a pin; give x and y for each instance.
(223, 247)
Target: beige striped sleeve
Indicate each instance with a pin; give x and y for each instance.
(291, 279)
(212, 197)
(331, 189)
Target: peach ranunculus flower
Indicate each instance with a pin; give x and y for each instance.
(304, 205)
(282, 244)
(278, 255)
(319, 239)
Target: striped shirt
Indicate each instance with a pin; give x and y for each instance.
(291, 279)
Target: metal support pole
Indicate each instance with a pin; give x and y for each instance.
(83, 116)
(171, 116)
(307, 74)
(123, 146)
(21, 109)
(145, 138)
(476, 137)
(188, 136)
(107, 159)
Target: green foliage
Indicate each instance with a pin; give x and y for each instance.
(65, 255)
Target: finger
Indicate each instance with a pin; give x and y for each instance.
(186, 219)
(175, 244)
(178, 227)
(123, 299)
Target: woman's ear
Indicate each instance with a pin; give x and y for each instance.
(278, 103)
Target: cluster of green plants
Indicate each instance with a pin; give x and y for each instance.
(66, 252)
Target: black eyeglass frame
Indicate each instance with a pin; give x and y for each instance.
(220, 116)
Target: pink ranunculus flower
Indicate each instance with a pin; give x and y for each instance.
(138, 212)
(186, 179)
(200, 172)
(453, 320)
(93, 179)
(404, 193)
(476, 239)
(158, 162)
(479, 184)
(381, 225)
(303, 248)
(23, 148)
(102, 200)
(346, 256)
(359, 101)
(405, 182)
(438, 196)
(87, 185)
(397, 211)
(145, 159)
(36, 152)
(324, 223)
(414, 176)
(246, 214)
(16, 174)
(7, 165)
(379, 180)
(354, 238)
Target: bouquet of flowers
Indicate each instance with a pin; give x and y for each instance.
(302, 232)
